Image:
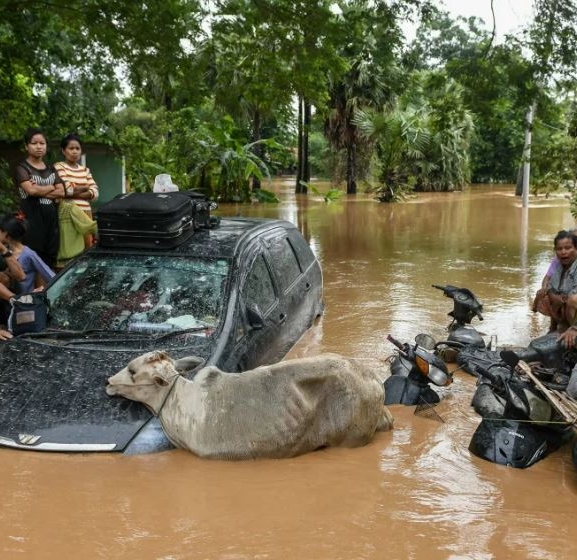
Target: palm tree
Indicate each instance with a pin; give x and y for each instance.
(422, 140)
(401, 138)
(372, 35)
(451, 126)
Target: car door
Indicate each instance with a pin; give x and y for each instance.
(300, 289)
(260, 314)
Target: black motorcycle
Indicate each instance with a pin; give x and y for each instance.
(413, 370)
(519, 426)
(467, 347)
(466, 307)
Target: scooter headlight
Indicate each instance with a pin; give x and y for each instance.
(438, 376)
(423, 365)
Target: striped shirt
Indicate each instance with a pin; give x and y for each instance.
(47, 177)
(78, 176)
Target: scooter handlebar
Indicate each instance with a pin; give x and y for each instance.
(398, 344)
(483, 372)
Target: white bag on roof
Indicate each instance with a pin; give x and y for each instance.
(163, 183)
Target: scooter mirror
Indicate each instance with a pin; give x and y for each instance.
(425, 341)
(509, 357)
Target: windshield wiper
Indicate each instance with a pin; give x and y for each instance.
(131, 337)
(57, 333)
(112, 337)
(170, 334)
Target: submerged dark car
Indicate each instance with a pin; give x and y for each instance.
(239, 295)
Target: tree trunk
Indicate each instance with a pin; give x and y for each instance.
(306, 130)
(351, 168)
(257, 147)
(298, 186)
(303, 166)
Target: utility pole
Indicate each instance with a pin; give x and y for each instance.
(527, 154)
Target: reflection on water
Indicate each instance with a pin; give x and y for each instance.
(414, 492)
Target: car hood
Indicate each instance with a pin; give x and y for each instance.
(53, 398)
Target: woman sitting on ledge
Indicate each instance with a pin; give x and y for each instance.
(559, 299)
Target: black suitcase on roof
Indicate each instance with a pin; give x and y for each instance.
(200, 209)
(145, 220)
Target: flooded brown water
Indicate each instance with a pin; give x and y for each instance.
(415, 492)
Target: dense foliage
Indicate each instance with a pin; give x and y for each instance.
(223, 94)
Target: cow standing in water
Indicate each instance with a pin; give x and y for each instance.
(280, 410)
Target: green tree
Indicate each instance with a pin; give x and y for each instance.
(213, 155)
(155, 40)
(46, 56)
(552, 38)
(309, 33)
(401, 137)
(497, 86)
(422, 140)
(250, 80)
(370, 46)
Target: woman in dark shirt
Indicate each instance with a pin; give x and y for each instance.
(40, 188)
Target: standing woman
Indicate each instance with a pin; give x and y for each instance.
(40, 188)
(79, 184)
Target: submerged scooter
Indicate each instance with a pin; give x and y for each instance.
(413, 370)
(467, 347)
(466, 307)
(519, 426)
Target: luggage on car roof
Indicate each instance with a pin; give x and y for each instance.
(201, 209)
(146, 220)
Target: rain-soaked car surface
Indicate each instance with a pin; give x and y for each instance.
(239, 296)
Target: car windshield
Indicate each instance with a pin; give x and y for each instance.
(159, 293)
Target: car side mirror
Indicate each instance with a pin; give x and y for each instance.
(254, 316)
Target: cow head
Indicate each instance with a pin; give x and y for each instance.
(146, 379)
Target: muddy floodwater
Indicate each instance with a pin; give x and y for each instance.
(413, 493)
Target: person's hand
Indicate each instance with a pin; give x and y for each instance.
(557, 299)
(5, 335)
(568, 338)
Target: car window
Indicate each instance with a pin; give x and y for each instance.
(139, 293)
(259, 288)
(302, 249)
(285, 261)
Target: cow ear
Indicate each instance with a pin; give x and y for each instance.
(188, 363)
(160, 381)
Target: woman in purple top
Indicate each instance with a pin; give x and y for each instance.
(37, 273)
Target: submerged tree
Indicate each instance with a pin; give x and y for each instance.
(370, 47)
(422, 141)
